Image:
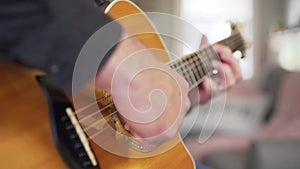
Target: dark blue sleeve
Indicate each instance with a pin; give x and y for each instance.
(49, 34)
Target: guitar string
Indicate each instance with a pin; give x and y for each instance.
(96, 112)
(186, 67)
(79, 110)
(200, 58)
(231, 40)
(189, 66)
(178, 68)
(104, 118)
(186, 64)
(107, 106)
(179, 61)
(85, 107)
(97, 133)
(98, 121)
(183, 66)
(191, 73)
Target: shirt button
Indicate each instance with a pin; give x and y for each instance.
(54, 68)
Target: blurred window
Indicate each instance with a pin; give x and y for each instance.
(211, 16)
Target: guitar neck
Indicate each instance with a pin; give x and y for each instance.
(196, 66)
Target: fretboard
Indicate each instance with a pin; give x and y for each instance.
(196, 66)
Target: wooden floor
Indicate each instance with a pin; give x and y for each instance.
(25, 136)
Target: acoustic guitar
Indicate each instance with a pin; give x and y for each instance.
(25, 129)
(109, 134)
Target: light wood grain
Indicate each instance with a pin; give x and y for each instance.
(26, 140)
(25, 133)
(175, 158)
(134, 21)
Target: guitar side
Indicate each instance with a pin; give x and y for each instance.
(177, 157)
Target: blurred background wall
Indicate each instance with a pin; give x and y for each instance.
(266, 25)
(258, 17)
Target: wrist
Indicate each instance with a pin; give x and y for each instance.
(126, 46)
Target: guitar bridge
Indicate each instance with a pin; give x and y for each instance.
(68, 135)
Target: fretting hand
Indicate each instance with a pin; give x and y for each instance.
(229, 74)
(150, 96)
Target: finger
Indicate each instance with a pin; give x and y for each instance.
(226, 57)
(224, 53)
(228, 76)
(205, 91)
(204, 41)
(225, 77)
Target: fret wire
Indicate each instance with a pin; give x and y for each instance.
(178, 60)
(200, 67)
(184, 74)
(199, 79)
(190, 73)
(197, 82)
(214, 56)
(196, 72)
(192, 62)
(201, 63)
(187, 66)
(201, 60)
(204, 66)
(208, 53)
(177, 64)
(193, 75)
(180, 69)
(195, 62)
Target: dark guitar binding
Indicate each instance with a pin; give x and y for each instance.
(64, 134)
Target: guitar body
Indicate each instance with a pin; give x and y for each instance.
(25, 129)
(176, 158)
(25, 132)
(136, 22)
(26, 140)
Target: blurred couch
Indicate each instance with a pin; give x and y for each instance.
(277, 144)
